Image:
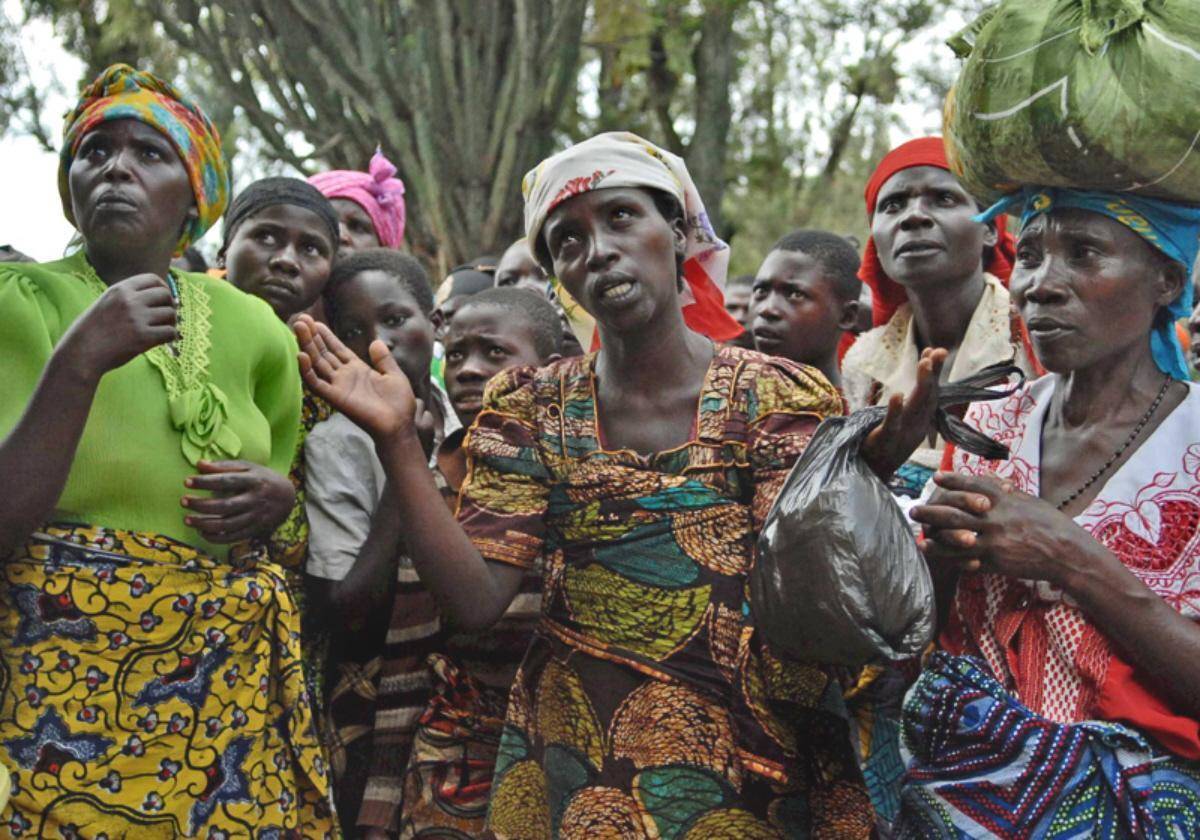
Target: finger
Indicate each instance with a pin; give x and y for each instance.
(333, 345)
(160, 335)
(382, 359)
(143, 282)
(983, 485)
(324, 363)
(221, 482)
(223, 466)
(222, 529)
(941, 553)
(200, 506)
(940, 516)
(975, 504)
(955, 538)
(162, 316)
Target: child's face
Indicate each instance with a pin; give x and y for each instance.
(794, 312)
(282, 254)
(482, 340)
(372, 305)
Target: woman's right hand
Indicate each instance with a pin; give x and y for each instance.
(379, 399)
(131, 316)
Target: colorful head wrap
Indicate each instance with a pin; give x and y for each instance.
(1172, 228)
(122, 93)
(377, 191)
(269, 192)
(886, 294)
(622, 159)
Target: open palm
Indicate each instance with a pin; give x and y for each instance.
(379, 399)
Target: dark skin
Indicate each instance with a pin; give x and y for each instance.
(737, 304)
(1089, 290)
(355, 228)
(372, 308)
(282, 254)
(617, 256)
(131, 199)
(481, 341)
(518, 269)
(796, 312)
(929, 244)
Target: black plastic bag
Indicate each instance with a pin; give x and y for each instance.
(839, 578)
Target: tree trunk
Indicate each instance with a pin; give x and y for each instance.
(715, 62)
(462, 96)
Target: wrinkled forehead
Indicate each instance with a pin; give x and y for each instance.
(918, 179)
(585, 202)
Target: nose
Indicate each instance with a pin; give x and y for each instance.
(1043, 285)
(602, 253)
(915, 215)
(474, 369)
(117, 167)
(284, 260)
(767, 308)
(344, 236)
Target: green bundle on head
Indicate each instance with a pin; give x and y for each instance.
(1090, 94)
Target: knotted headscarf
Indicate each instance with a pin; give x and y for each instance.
(121, 93)
(1172, 228)
(886, 294)
(377, 191)
(622, 159)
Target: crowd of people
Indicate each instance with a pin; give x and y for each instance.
(305, 544)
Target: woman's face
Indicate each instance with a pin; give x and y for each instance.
(1088, 288)
(616, 255)
(129, 187)
(924, 230)
(357, 229)
(282, 254)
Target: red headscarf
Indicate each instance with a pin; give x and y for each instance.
(886, 294)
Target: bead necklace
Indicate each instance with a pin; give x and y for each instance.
(1137, 430)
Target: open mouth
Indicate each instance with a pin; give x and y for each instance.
(919, 248)
(766, 336)
(614, 289)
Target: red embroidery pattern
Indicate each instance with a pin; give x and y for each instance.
(1034, 638)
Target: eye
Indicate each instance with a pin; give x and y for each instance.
(622, 213)
(496, 352)
(1084, 251)
(759, 292)
(352, 333)
(566, 243)
(94, 148)
(797, 294)
(394, 320)
(888, 205)
(152, 152)
(265, 236)
(948, 198)
(1028, 256)
(453, 356)
(314, 249)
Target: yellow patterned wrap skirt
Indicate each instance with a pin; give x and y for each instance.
(148, 691)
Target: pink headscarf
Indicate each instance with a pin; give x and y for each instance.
(376, 191)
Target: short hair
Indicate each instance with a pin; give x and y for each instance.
(528, 306)
(407, 271)
(834, 253)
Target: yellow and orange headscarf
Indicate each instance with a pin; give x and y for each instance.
(121, 93)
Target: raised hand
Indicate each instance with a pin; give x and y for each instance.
(909, 420)
(249, 500)
(131, 316)
(377, 397)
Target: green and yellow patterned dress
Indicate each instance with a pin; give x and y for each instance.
(647, 705)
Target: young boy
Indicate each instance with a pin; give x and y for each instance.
(450, 745)
(804, 298)
(355, 563)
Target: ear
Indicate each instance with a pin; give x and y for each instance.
(849, 316)
(437, 318)
(679, 233)
(221, 257)
(990, 235)
(1171, 280)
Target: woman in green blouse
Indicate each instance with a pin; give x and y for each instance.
(146, 679)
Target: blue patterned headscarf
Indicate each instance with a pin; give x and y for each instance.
(1172, 228)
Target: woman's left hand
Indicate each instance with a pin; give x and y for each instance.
(249, 500)
(985, 524)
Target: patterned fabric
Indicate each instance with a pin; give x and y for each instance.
(122, 93)
(1034, 639)
(377, 191)
(149, 690)
(981, 764)
(622, 159)
(646, 702)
